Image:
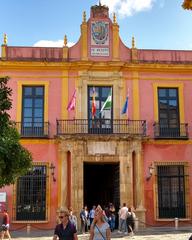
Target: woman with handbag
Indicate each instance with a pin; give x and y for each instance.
(100, 229)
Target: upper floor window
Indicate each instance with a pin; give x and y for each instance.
(31, 194)
(168, 104)
(33, 110)
(168, 107)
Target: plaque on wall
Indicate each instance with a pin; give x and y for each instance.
(102, 52)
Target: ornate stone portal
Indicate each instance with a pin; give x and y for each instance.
(74, 152)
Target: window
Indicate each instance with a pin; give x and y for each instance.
(33, 111)
(101, 121)
(168, 112)
(171, 191)
(31, 195)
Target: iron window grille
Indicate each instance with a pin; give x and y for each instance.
(171, 181)
(31, 197)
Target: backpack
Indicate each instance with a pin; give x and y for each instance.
(130, 218)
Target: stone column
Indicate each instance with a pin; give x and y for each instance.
(62, 177)
(125, 183)
(140, 210)
(77, 178)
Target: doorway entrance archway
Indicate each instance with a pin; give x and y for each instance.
(101, 184)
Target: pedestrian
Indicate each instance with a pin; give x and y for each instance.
(122, 219)
(84, 215)
(112, 214)
(66, 230)
(130, 221)
(5, 225)
(100, 229)
(72, 217)
(92, 214)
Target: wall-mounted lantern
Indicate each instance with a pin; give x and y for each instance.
(52, 168)
(150, 172)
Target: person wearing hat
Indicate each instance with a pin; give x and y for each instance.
(5, 225)
(100, 229)
(65, 230)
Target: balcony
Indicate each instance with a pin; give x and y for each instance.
(102, 126)
(164, 131)
(33, 129)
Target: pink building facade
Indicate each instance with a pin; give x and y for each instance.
(85, 157)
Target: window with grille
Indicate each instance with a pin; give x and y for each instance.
(171, 191)
(31, 195)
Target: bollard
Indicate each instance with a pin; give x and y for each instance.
(176, 223)
(136, 224)
(28, 228)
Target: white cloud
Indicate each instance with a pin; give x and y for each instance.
(126, 8)
(48, 43)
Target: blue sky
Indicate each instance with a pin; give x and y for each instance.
(155, 24)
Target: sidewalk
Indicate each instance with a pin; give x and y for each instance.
(144, 234)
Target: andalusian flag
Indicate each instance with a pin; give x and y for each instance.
(108, 103)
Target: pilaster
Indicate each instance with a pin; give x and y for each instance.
(115, 28)
(136, 105)
(140, 210)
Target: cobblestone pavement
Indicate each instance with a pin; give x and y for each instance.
(147, 234)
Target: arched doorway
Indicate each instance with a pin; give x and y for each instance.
(101, 184)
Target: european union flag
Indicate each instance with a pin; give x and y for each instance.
(125, 107)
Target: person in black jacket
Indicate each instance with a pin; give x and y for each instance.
(66, 230)
(130, 220)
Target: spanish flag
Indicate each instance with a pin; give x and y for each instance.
(93, 109)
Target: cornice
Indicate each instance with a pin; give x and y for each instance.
(96, 66)
(168, 142)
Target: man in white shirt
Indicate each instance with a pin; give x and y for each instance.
(122, 219)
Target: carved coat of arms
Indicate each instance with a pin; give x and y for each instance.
(100, 33)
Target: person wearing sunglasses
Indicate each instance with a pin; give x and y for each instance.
(65, 230)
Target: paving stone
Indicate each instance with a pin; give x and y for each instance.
(147, 234)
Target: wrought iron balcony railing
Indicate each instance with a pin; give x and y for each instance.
(33, 129)
(101, 126)
(164, 131)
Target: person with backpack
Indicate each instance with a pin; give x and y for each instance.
(130, 221)
(66, 230)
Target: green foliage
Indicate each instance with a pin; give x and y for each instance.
(15, 160)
